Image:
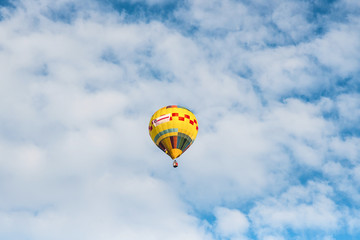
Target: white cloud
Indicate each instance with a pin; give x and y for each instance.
(299, 208)
(231, 223)
(77, 94)
(109, 206)
(217, 14)
(338, 49)
(77, 114)
(290, 18)
(348, 105)
(347, 148)
(353, 221)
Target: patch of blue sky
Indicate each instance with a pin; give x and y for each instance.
(331, 87)
(6, 3)
(344, 199)
(251, 235)
(305, 174)
(320, 12)
(141, 10)
(322, 6)
(350, 131)
(308, 234)
(301, 95)
(207, 216)
(110, 56)
(65, 13)
(150, 72)
(312, 96)
(331, 115)
(9, 4)
(344, 235)
(349, 84)
(333, 11)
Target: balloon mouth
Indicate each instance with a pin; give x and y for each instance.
(175, 153)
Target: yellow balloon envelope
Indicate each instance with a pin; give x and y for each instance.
(173, 129)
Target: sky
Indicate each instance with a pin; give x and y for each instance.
(274, 85)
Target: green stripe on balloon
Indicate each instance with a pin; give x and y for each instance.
(164, 132)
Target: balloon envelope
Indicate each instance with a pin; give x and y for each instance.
(173, 129)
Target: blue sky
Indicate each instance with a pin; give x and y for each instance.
(274, 86)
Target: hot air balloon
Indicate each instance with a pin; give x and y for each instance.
(173, 129)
